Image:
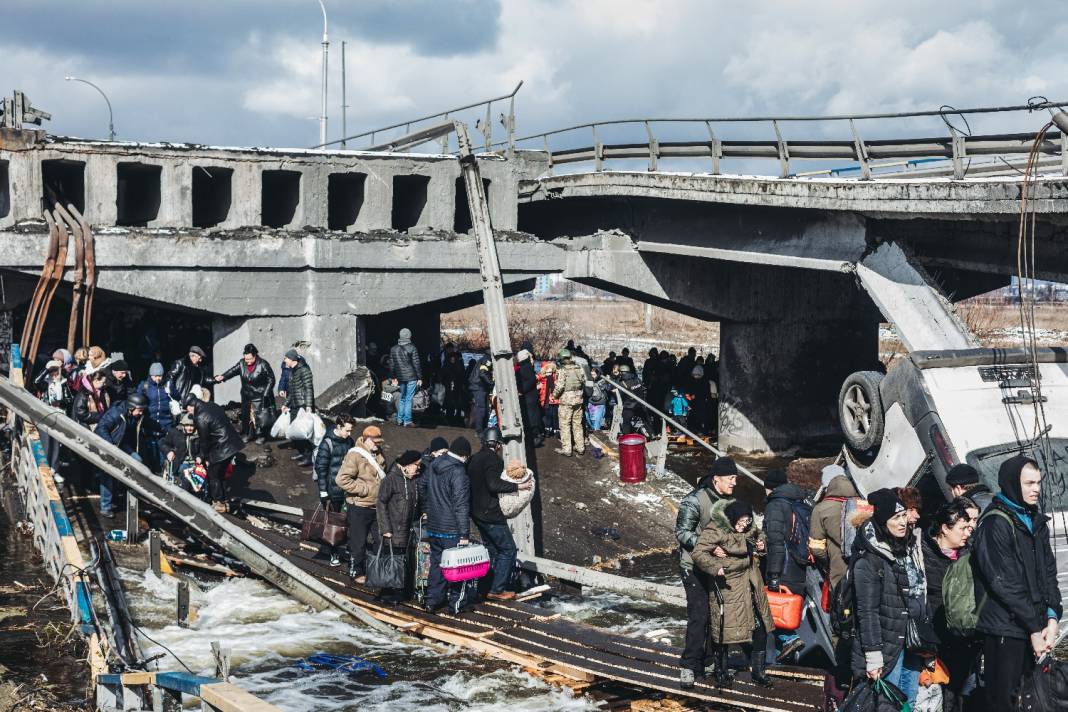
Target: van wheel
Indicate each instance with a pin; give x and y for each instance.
(860, 410)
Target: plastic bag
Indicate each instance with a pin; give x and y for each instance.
(319, 431)
(176, 408)
(875, 696)
(303, 425)
(928, 699)
(280, 429)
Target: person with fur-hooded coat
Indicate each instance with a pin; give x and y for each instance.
(740, 613)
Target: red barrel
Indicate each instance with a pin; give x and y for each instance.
(632, 458)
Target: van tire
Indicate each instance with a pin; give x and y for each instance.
(860, 410)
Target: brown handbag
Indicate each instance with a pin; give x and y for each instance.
(325, 525)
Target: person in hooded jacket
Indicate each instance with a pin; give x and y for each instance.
(258, 411)
(888, 589)
(445, 494)
(825, 530)
(407, 373)
(454, 379)
(527, 382)
(782, 569)
(695, 512)
(398, 506)
(126, 426)
(159, 403)
(1014, 563)
(943, 542)
(480, 384)
(739, 603)
(120, 383)
(219, 443)
(328, 459)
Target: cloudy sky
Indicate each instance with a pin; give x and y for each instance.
(246, 72)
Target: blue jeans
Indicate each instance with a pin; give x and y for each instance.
(906, 674)
(404, 407)
(438, 590)
(107, 486)
(502, 550)
(595, 416)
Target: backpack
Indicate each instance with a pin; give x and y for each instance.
(797, 537)
(958, 588)
(843, 612)
(849, 532)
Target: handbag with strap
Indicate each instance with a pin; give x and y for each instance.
(326, 526)
(385, 569)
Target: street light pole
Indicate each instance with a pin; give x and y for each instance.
(111, 116)
(326, 51)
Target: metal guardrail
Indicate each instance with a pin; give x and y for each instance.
(165, 692)
(412, 138)
(958, 146)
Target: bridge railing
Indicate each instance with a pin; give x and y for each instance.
(959, 146)
(418, 131)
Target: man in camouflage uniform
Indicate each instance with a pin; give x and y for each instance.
(570, 385)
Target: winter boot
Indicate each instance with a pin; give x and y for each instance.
(724, 679)
(758, 669)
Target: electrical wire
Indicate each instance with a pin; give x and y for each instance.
(171, 652)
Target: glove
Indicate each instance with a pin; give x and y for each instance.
(773, 584)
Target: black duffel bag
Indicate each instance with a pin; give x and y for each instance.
(1045, 689)
(874, 696)
(385, 569)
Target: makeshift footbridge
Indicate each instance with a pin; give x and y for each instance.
(579, 656)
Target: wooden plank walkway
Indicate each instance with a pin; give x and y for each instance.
(570, 653)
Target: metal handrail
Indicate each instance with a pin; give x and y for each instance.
(488, 103)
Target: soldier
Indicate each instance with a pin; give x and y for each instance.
(570, 384)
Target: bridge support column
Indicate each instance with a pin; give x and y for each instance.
(779, 380)
(330, 343)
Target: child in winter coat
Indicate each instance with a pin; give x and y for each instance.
(512, 503)
(739, 603)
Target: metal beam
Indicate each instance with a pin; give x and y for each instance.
(662, 593)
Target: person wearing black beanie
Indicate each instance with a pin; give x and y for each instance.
(461, 446)
(695, 512)
(445, 490)
(1015, 564)
(963, 481)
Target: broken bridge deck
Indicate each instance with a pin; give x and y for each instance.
(572, 654)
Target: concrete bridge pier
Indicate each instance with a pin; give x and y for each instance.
(779, 380)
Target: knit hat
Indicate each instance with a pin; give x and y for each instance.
(409, 457)
(292, 355)
(155, 369)
(186, 419)
(829, 473)
(67, 356)
(461, 446)
(775, 478)
(119, 365)
(523, 355)
(198, 351)
(886, 504)
(1009, 478)
(53, 364)
(723, 467)
(372, 431)
(439, 443)
(738, 509)
(962, 474)
(697, 372)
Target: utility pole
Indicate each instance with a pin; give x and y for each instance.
(511, 423)
(326, 53)
(344, 104)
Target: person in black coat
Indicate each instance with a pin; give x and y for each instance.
(120, 383)
(782, 569)
(444, 491)
(219, 442)
(945, 539)
(407, 373)
(126, 426)
(480, 384)
(258, 411)
(527, 381)
(1015, 564)
(889, 589)
(186, 373)
(398, 506)
(485, 470)
(454, 379)
(181, 451)
(328, 458)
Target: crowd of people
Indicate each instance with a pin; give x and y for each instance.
(891, 564)
(565, 397)
(892, 570)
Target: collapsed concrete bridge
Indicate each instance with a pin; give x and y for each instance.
(335, 249)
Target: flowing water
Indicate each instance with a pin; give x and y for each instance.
(269, 633)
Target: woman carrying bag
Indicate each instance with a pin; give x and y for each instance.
(398, 507)
(728, 551)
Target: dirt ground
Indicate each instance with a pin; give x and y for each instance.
(584, 506)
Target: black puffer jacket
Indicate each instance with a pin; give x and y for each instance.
(398, 506)
(301, 393)
(183, 376)
(120, 390)
(89, 406)
(444, 493)
(257, 390)
(484, 471)
(328, 459)
(1019, 570)
(218, 439)
(404, 363)
(879, 584)
(778, 521)
(695, 512)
